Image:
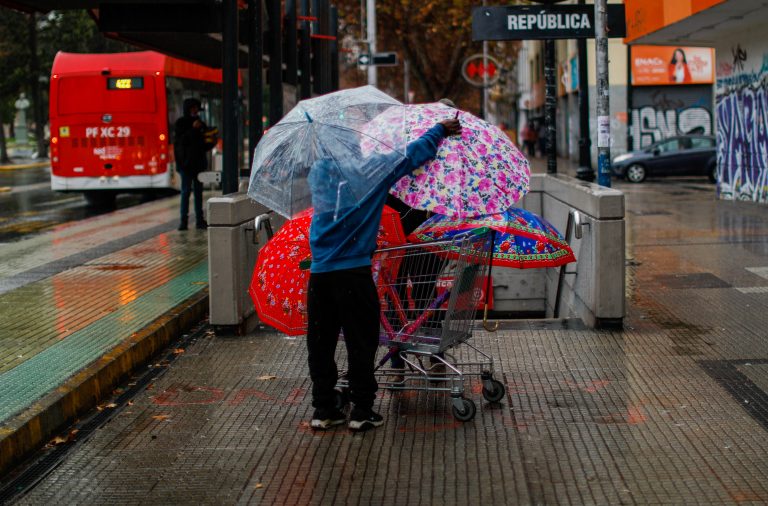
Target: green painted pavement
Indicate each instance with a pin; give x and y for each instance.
(26, 383)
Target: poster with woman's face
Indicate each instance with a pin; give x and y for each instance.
(662, 65)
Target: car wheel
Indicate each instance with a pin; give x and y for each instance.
(635, 173)
(712, 173)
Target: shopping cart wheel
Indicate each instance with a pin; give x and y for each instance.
(467, 410)
(493, 390)
(342, 398)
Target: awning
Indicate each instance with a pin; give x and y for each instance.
(705, 27)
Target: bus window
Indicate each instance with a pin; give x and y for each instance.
(177, 89)
(90, 94)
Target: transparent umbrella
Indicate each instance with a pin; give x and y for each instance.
(317, 146)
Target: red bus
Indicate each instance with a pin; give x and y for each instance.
(112, 117)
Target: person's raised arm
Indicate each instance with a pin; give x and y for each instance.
(424, 148)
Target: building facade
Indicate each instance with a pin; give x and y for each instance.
(649, 101)
(735, 28)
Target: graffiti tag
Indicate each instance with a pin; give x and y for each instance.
(651, 124)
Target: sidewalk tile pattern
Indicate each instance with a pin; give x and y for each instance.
(652, 414)
(83, 288)
(51, 366)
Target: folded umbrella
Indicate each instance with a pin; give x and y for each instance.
(279, 284)
(523, 240)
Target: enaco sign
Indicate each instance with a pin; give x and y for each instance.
(663, 65)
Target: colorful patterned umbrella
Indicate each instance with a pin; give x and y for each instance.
(523, 239)
(480, 172)
(279, 284)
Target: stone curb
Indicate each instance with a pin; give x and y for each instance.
(31, 429)
(25, 165)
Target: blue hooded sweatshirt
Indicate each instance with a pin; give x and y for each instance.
(348, 240)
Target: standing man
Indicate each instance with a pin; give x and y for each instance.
(342, 295)
(190, 148)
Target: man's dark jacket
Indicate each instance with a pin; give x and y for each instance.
(189, 146)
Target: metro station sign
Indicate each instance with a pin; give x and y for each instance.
(481, 71)
(543, 22)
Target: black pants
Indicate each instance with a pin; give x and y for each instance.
(343, 300)
(190, 184)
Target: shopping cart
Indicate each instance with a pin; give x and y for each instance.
(429, 294)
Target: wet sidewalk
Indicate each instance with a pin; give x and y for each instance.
(673, 409)
(84, 303)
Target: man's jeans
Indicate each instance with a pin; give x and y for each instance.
(189, 184)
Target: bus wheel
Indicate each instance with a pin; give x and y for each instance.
(100, 199)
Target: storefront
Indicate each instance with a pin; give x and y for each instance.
(741, 78)
(670, 93)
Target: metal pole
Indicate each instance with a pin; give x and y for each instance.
(255, 76)
(325, 47)
(305, 53)
(630, 98)
(603, 101)
(34, 83)
(406, 81)
(317, 85)
(585, 170)
(550, 104)
(291, 39)
(275, 62)
(371, 35)
(334, 49)
(231, 102)
(485, 78)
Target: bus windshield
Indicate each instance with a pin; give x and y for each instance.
(92, 94)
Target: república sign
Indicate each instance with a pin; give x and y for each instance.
(543, 22)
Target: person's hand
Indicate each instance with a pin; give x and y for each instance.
(452, 126)
(197, 123)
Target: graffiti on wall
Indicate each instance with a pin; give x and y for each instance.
(742, 134)
(650, 125)
(661, 112)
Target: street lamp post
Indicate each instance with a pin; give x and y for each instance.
(585, 170)
(603, 99)
(550, 98)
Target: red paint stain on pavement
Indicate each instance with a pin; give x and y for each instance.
(189, 396)
(244, 393)
(746, 496)
(634, 415)
(204, 395)
(296, 396)
(590, 387)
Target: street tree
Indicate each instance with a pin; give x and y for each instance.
(14, 55)
(435, 36)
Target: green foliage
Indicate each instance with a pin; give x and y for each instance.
(73, 32)
(14, 55)
(435, 36)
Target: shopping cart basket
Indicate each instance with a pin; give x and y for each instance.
(429, 294)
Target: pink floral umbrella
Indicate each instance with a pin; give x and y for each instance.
(480, 172)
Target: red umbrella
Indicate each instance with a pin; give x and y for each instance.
(279, 283)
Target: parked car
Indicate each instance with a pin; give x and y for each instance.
(688, 155)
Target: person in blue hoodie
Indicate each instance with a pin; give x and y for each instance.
(342, 295)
